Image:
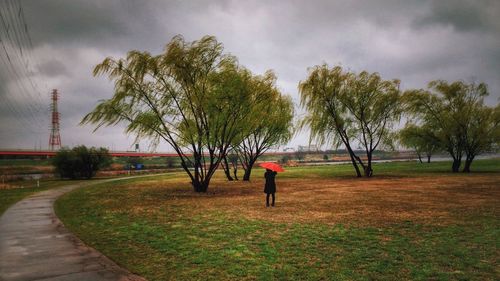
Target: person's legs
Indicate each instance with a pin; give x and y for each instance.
(274, 197)
(267, 199)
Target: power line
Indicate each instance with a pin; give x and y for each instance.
(21, 86)
(18, 36)
(26, 41)
(28, 114)
(30, 41)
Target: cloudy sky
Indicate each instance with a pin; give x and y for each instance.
(415, 41)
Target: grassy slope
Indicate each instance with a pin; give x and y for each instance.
(400, 169)
(9, 197)
(177, 241)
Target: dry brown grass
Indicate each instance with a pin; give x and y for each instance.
(8, 170)
(378, 201)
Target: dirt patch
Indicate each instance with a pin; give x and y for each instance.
(376, 201)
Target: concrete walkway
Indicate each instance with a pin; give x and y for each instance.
(34, 245)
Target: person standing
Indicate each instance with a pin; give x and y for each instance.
(270, 187)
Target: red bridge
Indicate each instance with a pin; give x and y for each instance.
(51, 153)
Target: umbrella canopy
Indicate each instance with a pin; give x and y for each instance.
(272, 166)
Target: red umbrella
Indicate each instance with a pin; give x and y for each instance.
(272, 166)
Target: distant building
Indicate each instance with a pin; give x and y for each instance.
(273, 148)
(303, 148)
(286, 149)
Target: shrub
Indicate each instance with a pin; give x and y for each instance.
(171, 162)
(80, 162)
(284, 159)
(133, 162)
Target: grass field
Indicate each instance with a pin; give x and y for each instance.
(11, 196)
(410, 222)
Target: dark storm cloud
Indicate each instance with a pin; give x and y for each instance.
(53, 67)
(462, 15)
(415, 41)
(60, 21)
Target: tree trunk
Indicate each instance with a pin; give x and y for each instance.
(419, 157)
(466, 166)
(248, 170)
(428, 158)
(196, 185)
(234, 165)
(468, 163)
(455, 167)
(368, 169)
(203, 187)
(225, 167)
(200, 186)
(235, 172)
(200, 180)
(351, 154)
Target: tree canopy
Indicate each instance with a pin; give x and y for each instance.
(346, 108)
(192, 96)
(420, 138)
(207, 107)
(80, 161)
(270, 124)
(456, 112)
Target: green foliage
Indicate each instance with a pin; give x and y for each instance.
(456, 113)
(285, 158)
(80, 162)
(134, 160)
(345, 107)
(192, 96)
(420, 138)
(270, 123)
(482, 131)
(170, 162)
(300, 155)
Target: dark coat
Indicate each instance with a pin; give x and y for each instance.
(270, 186)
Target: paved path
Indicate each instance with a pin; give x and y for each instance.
(34, 245)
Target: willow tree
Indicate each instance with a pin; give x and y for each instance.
(230, 161)
(345, 108)
(270, 126)
(420, 138)
(482, 133)
(192, 96)
(456, 111)
(275, 128)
